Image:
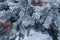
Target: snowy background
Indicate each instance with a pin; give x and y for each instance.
(29, 19)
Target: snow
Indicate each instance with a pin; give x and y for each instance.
(37, 36)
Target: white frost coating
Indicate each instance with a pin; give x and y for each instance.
(1, 13)
(5, 16)
(26, 23)
(36, 15)
(48, 21)
(24, 20)
(51, 1)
